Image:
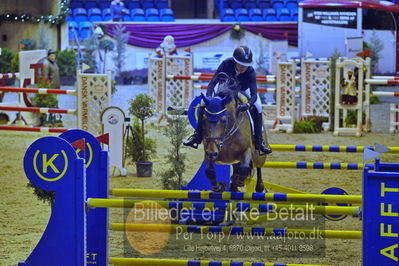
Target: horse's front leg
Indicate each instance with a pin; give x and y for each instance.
(260, 187)
(234, 178)
(210, 173)
(244, 169)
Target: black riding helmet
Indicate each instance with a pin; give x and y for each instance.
(243, 55)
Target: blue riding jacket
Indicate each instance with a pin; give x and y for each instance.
(247, 80)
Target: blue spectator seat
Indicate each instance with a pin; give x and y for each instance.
(225, 4)
(166, 14)
(291, 4)
(102, 4)
(85, 30)
(269, 14)
(277, 4)
(126, 15)
(70, 16)
(137, 14)
(95, 15)
(242, 14)
(80, 14)
(250, 4)
(131, 4)
(72, 26)
(294, 14)
(263, 4)
(283, 14)
(76, 4)
(236, 4)
(90, 4)
(152, 14)
(107, 14)
(147, 4)
(161, 4)
(228, 15)
(255, 14)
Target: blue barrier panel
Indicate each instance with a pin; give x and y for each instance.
(386, 167)
(380, 218)
(51, 163)
(96, 187)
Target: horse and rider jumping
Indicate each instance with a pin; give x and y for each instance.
(226, 129)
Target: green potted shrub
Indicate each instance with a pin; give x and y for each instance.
(142, 107)
(5, 65)
(66, 61)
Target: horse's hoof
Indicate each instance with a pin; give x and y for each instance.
(220, 187)
(260, 188)
(233, 188)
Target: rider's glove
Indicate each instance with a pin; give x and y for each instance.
(243, 107)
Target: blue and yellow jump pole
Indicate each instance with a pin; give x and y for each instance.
(52, 164)
(325, 148)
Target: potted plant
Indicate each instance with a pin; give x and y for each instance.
(142, 107)
(5, 65)
(66, 61)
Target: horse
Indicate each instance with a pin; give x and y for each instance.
(228, 139)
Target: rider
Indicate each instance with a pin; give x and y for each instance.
(238, 67)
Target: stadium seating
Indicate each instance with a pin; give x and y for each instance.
(242, 14)
(131, 4)
(137, 14)
(294, 14)
(277, 4)
(236, 4)
(85, 29)
(106, 14)
(80, 15)
(95, 15)
(76, 4)
(283, 14)
(103, 4)
(263, 4)
(269, 14)
(126, 15)
(161, 4)
(72, 25)
(90, 4)
(147, 4)
(250, 4)
(166, 14)
(255, 14)
(152, 14)
(228, 15)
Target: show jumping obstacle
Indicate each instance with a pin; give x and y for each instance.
(53, 164)
(93, 95)
(171, 79)
(393, 118)
(173, 88)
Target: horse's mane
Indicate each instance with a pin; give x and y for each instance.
(228, 88)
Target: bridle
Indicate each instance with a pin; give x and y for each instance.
(219, 141)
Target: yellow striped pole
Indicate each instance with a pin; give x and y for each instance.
(173, 262)
(318, 165)
(235, 230)
(195, 195)
(231, 206)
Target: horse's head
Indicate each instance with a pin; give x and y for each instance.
(215, 124)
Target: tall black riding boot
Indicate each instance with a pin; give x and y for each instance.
(259, 142)
(196, 139)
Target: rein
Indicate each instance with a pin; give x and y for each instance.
(228, 135)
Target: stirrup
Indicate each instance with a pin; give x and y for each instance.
(263, 150)
(192, 141)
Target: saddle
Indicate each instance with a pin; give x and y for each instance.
(243, 99)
